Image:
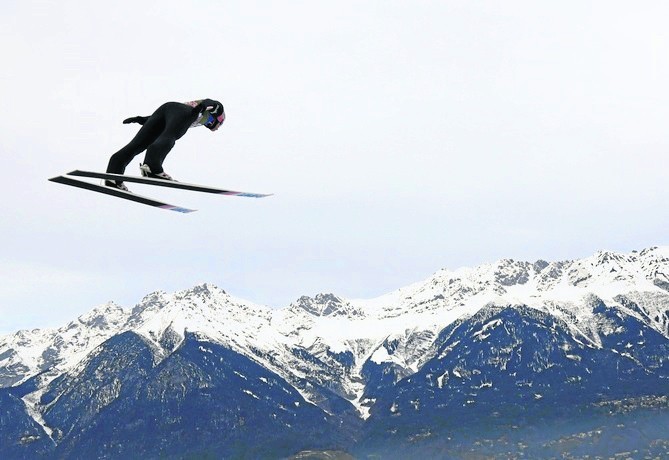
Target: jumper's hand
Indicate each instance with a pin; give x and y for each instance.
(140, 120)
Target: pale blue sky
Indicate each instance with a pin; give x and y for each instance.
(398, 137)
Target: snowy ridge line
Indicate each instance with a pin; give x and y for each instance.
(343, 336)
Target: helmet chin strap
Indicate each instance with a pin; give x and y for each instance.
(201, 120)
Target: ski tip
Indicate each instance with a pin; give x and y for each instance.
(254, 195)
(177, 209)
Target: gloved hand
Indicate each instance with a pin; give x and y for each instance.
(140, 120)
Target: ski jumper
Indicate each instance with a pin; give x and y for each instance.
(162, 129)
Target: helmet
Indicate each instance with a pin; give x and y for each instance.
(210, 113)
(213, 114)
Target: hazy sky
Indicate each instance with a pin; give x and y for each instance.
(399, 137)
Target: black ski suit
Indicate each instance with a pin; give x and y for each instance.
(158, 134)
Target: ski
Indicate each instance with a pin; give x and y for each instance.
(165, 183)
(118, 193)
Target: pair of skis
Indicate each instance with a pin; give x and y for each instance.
(64, 179)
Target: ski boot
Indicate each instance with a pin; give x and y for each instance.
(117, 185)
(146, 172)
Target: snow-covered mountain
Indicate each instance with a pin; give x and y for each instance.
(381, 360)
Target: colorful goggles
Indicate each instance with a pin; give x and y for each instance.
(214, 122)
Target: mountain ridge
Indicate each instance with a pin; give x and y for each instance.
(501, 282)
(565, 326)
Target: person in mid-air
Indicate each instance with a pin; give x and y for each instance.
(158, 134)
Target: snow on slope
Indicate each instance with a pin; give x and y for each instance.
(27, 353)
(326, 325)
(207, 310)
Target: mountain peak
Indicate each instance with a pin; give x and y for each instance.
(155, 300)
(104, 316)
(203, 290)
(327, 305)
(508, 272)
